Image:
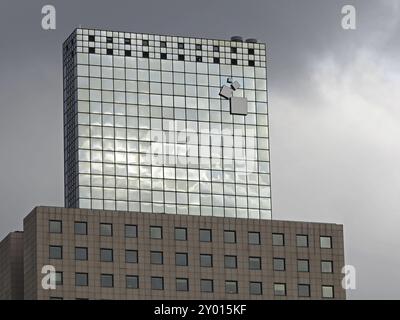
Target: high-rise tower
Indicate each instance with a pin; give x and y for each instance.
(166, 124)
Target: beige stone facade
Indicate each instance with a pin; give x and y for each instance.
(12, 267)
(278, 278)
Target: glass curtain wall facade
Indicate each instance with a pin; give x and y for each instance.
(146, 130)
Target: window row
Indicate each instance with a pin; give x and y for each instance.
(181, 209)
(154, 97)
(214, 118)
(181, 57)
(252, 201)
(156, 112)
(95, 77)
(181, 234)
(182, 259)
(108, 63)
(165, 44)
(206, 285)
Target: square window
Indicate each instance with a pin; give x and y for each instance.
(234, 61)
(303, 265)
(326, 266)
(81, 279)
(254, 238)
(127, 41)
(163, 44)
(215, 48)
(181, 57)
(216, 60)
(181, 259)
(279, 264)
(110, 51)
(92, 50)
(155, 232)
(59, 278)
(81, 253)
(157, 283)
(255, 288)
(230, 262)
(145, 54)
(205, 235)
(325, 242)
(198, 46)
(250, 51)
(255, 263)
(303, 290)
(145, 43)
(156, 257)
(163, 56)
(128, 53)
(80, 227)
(106, 255)
(231, 287)
(302, 240)
(327, 292)
(199, 59)
(106, 280)
(132, 282)
(278, 239)
(206, 285)
(181, 45)
(55, 252)
(55, 226)
(109, 39)
(206, 260)
(92, 38)
(181, 234)
(131, 256)
(279, 289)
(130, 231)
(233, 50)
(182, 284)
(251, 63)
(229, 236)
(106, 229)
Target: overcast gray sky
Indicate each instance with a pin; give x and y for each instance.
(334, 109)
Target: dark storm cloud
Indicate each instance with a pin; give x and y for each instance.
(334, 154)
